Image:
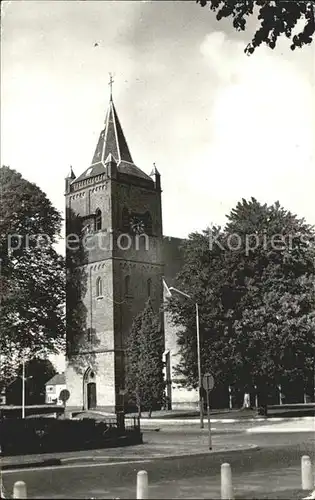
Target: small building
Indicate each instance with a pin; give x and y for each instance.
(54, 386)
(3, 398)
(179, 398)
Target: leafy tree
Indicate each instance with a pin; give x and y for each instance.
(144, 365)
(32, 279)
(37, 373)
(278, 17)
(274, 323)
(254, 283)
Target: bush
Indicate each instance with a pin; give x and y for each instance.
(49, 435)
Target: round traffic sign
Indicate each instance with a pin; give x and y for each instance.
(64, 395)
(208, 382)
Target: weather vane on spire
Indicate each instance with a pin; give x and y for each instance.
(111, 81)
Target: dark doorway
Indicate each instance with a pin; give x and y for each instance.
(91, 395)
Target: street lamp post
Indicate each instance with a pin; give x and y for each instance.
(198, 352)
(23, 389)
(24, 379)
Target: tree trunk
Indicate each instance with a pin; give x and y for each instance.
(139, 411)
(150, 413)
(138, 403)
(263, 399)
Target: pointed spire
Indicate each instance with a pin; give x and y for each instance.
(154, 171)
(71, 174)
(112, 142)
(157, 177)
(112, 139)
(110, 159)
(111, 166)
(70, 177)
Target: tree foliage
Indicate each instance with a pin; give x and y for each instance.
(37, 373)
(254, 283)
(278, 17)
(32, 278)
(144, 365)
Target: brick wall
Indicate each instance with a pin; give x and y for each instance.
(109, 318)
(182, 398)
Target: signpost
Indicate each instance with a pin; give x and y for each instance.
(208, 384)
(123, 392)
(64, 395)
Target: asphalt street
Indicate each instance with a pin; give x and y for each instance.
(274, 465)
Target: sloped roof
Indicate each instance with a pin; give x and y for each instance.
(131, 169)
(112, 141)
(58, 379)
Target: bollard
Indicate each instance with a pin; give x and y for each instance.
(142, 485)
(226, 482)
(1, 488)
(307, 475)
(19, 490)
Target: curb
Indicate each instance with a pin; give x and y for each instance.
(184, 455)
(190, 421)
(60, 462)
(182, 421)
(192, 430)
(38, 463)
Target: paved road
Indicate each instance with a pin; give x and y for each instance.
(275, 465)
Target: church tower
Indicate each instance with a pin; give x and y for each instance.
(114, 217)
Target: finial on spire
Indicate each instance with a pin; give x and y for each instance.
(70, 178)
(154, 170)
(71, 174)
(111, 81)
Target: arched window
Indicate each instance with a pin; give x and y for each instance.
(125, 219)
(148, 223)
(149, 284)
(99, 287)
(98, 220)
(127, 284)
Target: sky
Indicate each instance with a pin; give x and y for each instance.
(219, 125)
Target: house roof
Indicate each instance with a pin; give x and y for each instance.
(58, 379)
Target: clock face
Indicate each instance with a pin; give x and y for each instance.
(137, 225)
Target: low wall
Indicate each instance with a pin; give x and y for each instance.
(288, 410)
(47, 435)
(11, 411)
